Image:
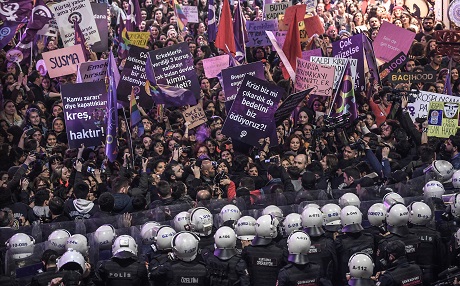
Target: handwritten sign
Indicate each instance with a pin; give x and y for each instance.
(139, 39)
(93, 71)
(63, 61)
(448, 42)
(339, 64)
(419, 108)
(195, 115)
(442, 119)
(312, 75)
(191, 13)
(273, 10)
(213, 66)
(256, 32)
(391, 40)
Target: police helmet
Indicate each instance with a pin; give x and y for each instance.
(351, 219)
(455, 205)
(456, 179)
(361, 265)
(433, 189)
(312, 205)
(392, 198)
(245, 228)
(292, 222)
(376, 214)
(201, 221)
(298, 244)
(185, 245)
(57, 240)
(229, 213)
(105, 235)
(148, 237)
(440, 170)
(164, 235)
(266, 230)
(274, 211)
(225, 243)
(419, 213)
(397, 218)
(182, 221)
(349, 199)
(20, 245)
(331, 217)
(124, 246)
(71, 260)
(312, 221)
(78, 243)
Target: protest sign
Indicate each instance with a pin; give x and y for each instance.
(316, 76)
(281, 54)
(442, 119)
(93, 71)
(339, 64)
(213, 66)
(411, 77)
(273, 10)
(391, 40)
(233, 77)
(313, 26)
(447, 42)
(420, 107)
(311, 5)
(251, 115)
(85, 107)
(289, 104)
(173, 66)
(195, 115)
(191, 13)
(67, 12)
(284, 27)
(352, 48)
(256, 32)
(139, 39)
(306, 55)
(133, 76)
(100, 16)
(50, 29)
(280, 37)
(393, 65)
(63, 61)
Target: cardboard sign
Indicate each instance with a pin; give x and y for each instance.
(273, 10)
(191, 13)
(63, 61)
(442, 119)
(311, 5)
(93, 71)
(100, 15)
(85, 106)
(256, 32)
(352, 48)
(50, 29)
(139, 39)
(284, 27)
(391, 40)
(420, 107)
(448, 42)
(411, 77)
(67, 12)
(313, 26)
(280, 37)
(392, 66)
(195, 115)
(339, 64)
(311, 75)
(289, 104)
(213, 66)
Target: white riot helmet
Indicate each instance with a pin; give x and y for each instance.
(57, 240)
(351, 219)
(201, 221)
(225, 243)
(312, 205)
(312, 221)
(397, 218)
(361, 265)
(331, 217)
(455, 206)
(229, 213)
(245, 228)
(440, 170)
(20, 245)
(392, 198)
(147, 235)
(266, 230)
(78, 243)
(298, 244)
(185, 245)
(349, 199)
(419, 213)
(433, 189)
(104, 236)
(182, 221)
(456, 179)
(124, 246)
(71, 260)
(376, 214)
(164, 236)
(275, 211)
(292, 222)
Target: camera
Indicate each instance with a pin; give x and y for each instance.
(90, 170)
(38, 155)
(359, 145)
(214, 164)
(186, 149)
(273, 160)
(395, 95)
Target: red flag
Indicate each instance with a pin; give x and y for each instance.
(291, 47)
(225, 30)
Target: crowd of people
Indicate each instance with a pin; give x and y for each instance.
(370, 201)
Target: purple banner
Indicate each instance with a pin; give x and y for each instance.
(133, 76)
(311, 53)
(252, 114)
(7, 32)
(100, 15)
(233, 77)
(15, 10)
(352, 48)
(173, 66)
(84, 111)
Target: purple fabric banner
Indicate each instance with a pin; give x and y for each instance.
(11, 10)
(174, 66)
(233, 77)
(100, 15)
(252, 114)
(84, 112)
(311, 53)
(352, 48)
(7, 32)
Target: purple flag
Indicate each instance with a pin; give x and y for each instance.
(15, 10)
(212, 23)
(112, 112)
(371, 61)
(7, 32)
(133, 18)
(240, 36)
(448, 84)
(123, 41)
(345, 101)
(80, 39)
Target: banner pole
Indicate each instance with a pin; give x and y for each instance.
(130, 141)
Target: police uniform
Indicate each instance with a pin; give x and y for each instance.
(401, 273)
(227, 272)
(44, 278)
(178, 273)
(301, 274)
(322, 252)
(361, 282)
(264, 263)
(410, 240)
(121, 272)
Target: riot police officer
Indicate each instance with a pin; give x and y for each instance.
(376, 216)
(245, 229)
(104, 236)
(291, 223)
(201, 223)
(331, 222)
(228, 215)
(49, 261)
(300, 271)
(161, 247)
(123, 269)
(361, 269)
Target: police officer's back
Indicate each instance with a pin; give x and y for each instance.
(361, 269)
(49, 260)
(201, 223)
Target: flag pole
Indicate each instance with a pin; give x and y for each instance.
(130, 141)
(337, 90)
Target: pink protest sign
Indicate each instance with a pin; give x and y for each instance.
(391, 40)
(316, 76)
(213, 66)
(63, 61)
(311, 53)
